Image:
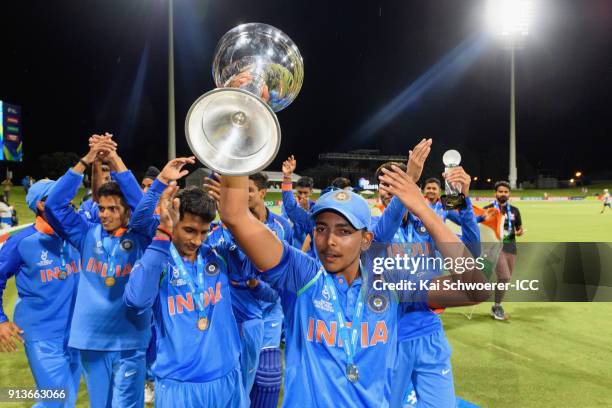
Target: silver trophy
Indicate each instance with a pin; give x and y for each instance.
(452, 198)
(233, 129)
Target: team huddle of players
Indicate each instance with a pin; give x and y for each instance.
(143, 278)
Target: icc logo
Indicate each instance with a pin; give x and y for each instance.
(44, 255)
(325, 293)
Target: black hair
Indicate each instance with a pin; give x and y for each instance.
(111, 188)
(387, 166)
(305, 182)
(341, 183)
(195, 201)
(502, 183)
(432, 180)
(260, 179)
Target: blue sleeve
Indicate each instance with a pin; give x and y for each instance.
(143, 218)
(480, 218)
(297, 215)
(389, 222)
(470, 233)
(59, 213)
(294, 272)
(264, 292)
(129, 187)
(10, 261)
(143, 286)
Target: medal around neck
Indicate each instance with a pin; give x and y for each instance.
(202, 323)
(233, 130)
(453, 198)
(62, 275)
(352, 373)
(109, 281)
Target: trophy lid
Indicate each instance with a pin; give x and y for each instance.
(451, 158)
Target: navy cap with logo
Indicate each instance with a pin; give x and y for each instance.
(350, 205)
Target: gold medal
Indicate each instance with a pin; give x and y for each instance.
(202, 323)
(110, 281)
(62, 275)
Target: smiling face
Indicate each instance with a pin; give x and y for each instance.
(189, 233)
(113, 213)
(432, 192)
(338, 243)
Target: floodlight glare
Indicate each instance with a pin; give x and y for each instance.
(510, 17)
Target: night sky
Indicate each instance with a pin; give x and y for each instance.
(81, 67)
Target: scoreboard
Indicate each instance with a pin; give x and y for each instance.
(10, 132)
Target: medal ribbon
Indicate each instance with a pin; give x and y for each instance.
(348, 335)
(198, 293)
(110, 258)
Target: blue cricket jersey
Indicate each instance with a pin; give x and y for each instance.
(299, 233)
(421, 320)
(248, 304)
(101, 320)
(315, 369)
(185, 353)
(46, 301)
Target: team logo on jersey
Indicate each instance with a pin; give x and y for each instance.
(98, 249)
(342, 196)
(211, 269)
(127, 244)
(44, 259)
(378, 303)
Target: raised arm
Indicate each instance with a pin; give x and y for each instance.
(10, 261)
(143, 219)
(60, 214)
(296, 214)
(257, 241)
(143, 286)
(401, 185)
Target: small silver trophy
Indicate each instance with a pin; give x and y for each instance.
(453, 198)
(233, 129)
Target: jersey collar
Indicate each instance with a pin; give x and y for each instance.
(42, 226)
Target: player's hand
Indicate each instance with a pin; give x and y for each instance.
(490, 213)
(99, 147)
(416, 159)
(10, 334)
(458, 176)
(173, 170)
(212, 185)
(401, 185)
(519, 232)
(289, 166)
(169, 207)
(247, 284)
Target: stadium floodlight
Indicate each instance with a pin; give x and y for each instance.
(475, 178)
(171, 116)
(488, 180)
(572, 181)
(511, 19)
(578, 174)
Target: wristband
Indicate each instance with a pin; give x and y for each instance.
(84, 163)
(165, 232)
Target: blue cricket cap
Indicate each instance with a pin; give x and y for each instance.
(350, 205)
(37, 192)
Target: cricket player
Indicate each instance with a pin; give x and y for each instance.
(185, 281)
(46, 269)
(329, 361)
(513, 227)
(260, 320)
(111, 338)
(606, 200)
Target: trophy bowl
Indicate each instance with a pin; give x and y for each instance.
(234, 129)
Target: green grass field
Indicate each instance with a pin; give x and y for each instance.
(545, 355)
